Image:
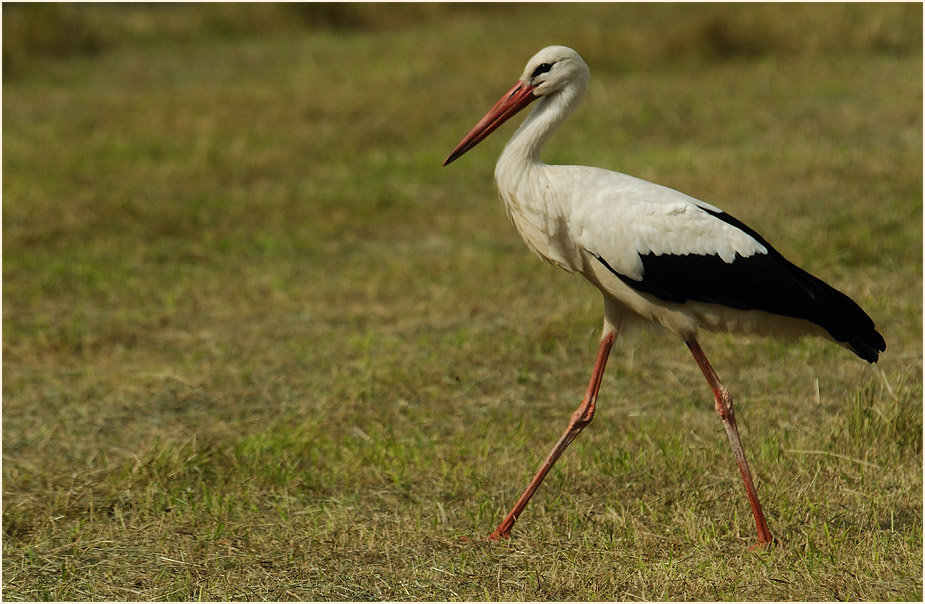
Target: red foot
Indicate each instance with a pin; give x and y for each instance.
(763, 546)
(496, 536)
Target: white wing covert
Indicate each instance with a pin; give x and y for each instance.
(631, 218)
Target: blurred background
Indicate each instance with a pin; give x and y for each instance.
(259, 344)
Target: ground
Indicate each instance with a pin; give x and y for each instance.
(258, 344)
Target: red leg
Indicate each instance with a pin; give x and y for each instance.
(724, 408)
(580, 418)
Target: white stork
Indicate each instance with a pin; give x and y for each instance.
(656, 254)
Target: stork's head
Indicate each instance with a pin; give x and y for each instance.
(553, 69)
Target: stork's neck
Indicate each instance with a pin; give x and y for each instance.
(531, 200)
(524, 148)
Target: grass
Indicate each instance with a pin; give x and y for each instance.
(258, 345)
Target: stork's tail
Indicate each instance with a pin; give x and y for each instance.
(841, 316)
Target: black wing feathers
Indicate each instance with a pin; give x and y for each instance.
(767, 282)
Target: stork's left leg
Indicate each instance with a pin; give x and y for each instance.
(580, 418)
(724, 408)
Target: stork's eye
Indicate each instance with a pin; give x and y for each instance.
(543, 68)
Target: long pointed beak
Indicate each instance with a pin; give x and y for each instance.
(513, 101)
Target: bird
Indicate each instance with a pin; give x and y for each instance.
(657, 255)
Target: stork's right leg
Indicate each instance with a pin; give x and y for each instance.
(580, 418)
(724, 408)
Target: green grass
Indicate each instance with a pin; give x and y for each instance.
(258, 344)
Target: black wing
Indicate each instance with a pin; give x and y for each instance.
(767, 282)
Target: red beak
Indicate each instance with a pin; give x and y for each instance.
(513, 101)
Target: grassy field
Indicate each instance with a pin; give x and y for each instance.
(258, 344)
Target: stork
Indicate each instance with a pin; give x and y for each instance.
(655, 254)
